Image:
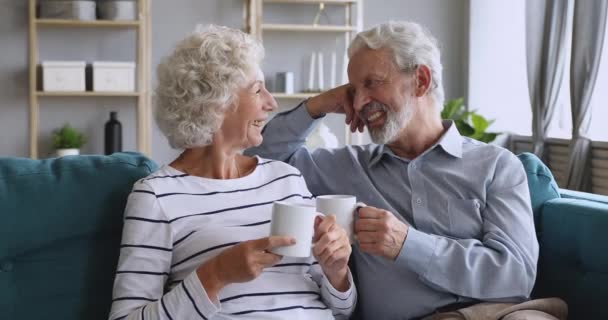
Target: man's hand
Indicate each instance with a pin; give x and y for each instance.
(379, 232)
(332, 249)
(336, 100)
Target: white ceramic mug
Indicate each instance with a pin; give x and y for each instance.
(296, 221)
(343, 207)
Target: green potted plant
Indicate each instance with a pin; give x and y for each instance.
(68, 141)
(469, 123)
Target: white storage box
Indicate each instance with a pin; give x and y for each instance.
(79, 10)
(63, 76)
(117, 10)
(114, 76)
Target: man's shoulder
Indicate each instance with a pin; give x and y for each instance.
(472, 148)
(492, 158)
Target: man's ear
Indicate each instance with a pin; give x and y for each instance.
(424, 79)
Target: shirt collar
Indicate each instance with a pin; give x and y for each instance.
(450, 142)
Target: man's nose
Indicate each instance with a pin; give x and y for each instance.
(360, 99)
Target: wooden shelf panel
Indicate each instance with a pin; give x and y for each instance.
(304, 27)
(313, 1)
(92, 24)
(299, 95)
(87, 94)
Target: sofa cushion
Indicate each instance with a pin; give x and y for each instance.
(540, 181)
(60, 230)
(573, 263)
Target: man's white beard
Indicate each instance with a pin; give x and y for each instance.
(395, 123)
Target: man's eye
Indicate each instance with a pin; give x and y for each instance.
(258, 92)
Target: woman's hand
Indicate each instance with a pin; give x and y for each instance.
(241, 263)
(332, 249)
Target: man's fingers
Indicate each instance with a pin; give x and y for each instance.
(372, 213)
(367, 237)
(369, 225)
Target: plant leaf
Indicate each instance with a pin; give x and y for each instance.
(464, 128)
(479, 123)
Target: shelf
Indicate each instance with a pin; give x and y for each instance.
(313, 1)
(82, 23)
(86, 94)
(299, 95)
(304, 27)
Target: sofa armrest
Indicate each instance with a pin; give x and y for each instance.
(573, 262)
(571, 194)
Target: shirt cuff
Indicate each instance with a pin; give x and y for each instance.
(417, 251)
(199, 294)
(338, 294)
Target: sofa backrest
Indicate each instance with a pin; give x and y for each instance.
(572, 237)
(541, 183)
(60, 230)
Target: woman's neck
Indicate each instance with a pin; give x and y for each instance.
(211, 162)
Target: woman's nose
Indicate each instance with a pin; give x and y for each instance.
(270, 104)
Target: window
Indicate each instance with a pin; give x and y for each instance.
(498, 82)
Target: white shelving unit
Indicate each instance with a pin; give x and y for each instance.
(142, 27)
(254, 24)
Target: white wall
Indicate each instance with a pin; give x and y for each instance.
(498, 83)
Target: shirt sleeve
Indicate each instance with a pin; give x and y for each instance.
(145, 264)
(342, 304)
(502, 265)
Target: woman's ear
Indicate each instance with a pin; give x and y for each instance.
(424, 79)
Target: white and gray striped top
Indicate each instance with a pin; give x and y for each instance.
(175, 222)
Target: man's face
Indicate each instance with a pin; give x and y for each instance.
(382, 95)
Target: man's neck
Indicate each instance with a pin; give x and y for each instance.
(421, 133)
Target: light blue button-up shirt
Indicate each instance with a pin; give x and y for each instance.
(467, 203)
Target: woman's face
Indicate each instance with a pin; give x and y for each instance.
(242, 126)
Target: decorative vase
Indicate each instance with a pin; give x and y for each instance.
(113, 134)
(68, 152)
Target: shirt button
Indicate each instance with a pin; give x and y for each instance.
(6, 266)
(477, 205)
(414, 166)
(419, 201)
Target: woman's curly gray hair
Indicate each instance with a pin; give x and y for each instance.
(198, 83)
(411, 45)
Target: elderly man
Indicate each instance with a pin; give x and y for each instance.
(448, 221)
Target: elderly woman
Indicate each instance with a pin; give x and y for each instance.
(195, 241)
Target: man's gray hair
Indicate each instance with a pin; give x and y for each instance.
(198, 83)
(411, 45)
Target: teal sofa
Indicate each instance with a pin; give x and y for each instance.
(61, 221)
(60, 229)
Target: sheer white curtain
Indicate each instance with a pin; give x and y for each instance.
(587, 43)
(547, 26)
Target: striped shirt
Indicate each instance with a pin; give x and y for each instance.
(175, 222)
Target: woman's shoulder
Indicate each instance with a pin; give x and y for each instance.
(161, 176)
